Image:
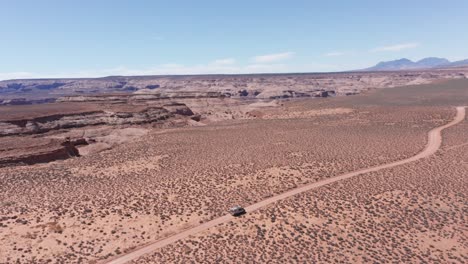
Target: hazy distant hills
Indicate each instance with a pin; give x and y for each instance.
(406, 64)
(459, 63)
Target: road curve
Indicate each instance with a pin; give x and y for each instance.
(433, 144)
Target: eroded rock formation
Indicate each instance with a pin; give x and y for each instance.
(55, 122)
(54, 150)
(262, 86)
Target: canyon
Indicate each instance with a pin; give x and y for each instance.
(254, 86)
(53, 115)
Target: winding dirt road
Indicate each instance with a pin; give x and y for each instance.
(433, 144)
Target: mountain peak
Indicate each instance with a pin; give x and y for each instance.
(432, 62)
(406, 64)
(393, 65)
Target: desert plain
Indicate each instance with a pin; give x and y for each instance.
(93, 180)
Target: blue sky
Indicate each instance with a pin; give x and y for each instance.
(59, 38)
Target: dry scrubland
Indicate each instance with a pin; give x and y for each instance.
(415, 213)
(102, 205)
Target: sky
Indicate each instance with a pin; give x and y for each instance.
(92, 38)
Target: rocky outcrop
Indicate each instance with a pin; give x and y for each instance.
(141, 96)
(179, 109)
(43, 154)
(64, 85)
(25, 139)
(55, 122)
(90, 98)
(149, 95)
(24, 101)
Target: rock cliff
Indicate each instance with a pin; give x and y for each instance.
(55, 122)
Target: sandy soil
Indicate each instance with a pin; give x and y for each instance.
(433, 145)
(414, 213)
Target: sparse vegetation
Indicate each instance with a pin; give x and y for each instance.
(97, 206)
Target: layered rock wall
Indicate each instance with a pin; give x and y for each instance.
(55, 122)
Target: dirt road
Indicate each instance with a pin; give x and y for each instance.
(433, 144)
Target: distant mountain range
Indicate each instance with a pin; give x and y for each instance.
(406, 64)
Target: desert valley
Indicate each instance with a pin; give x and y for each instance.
(144, 169)
(233, 132)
